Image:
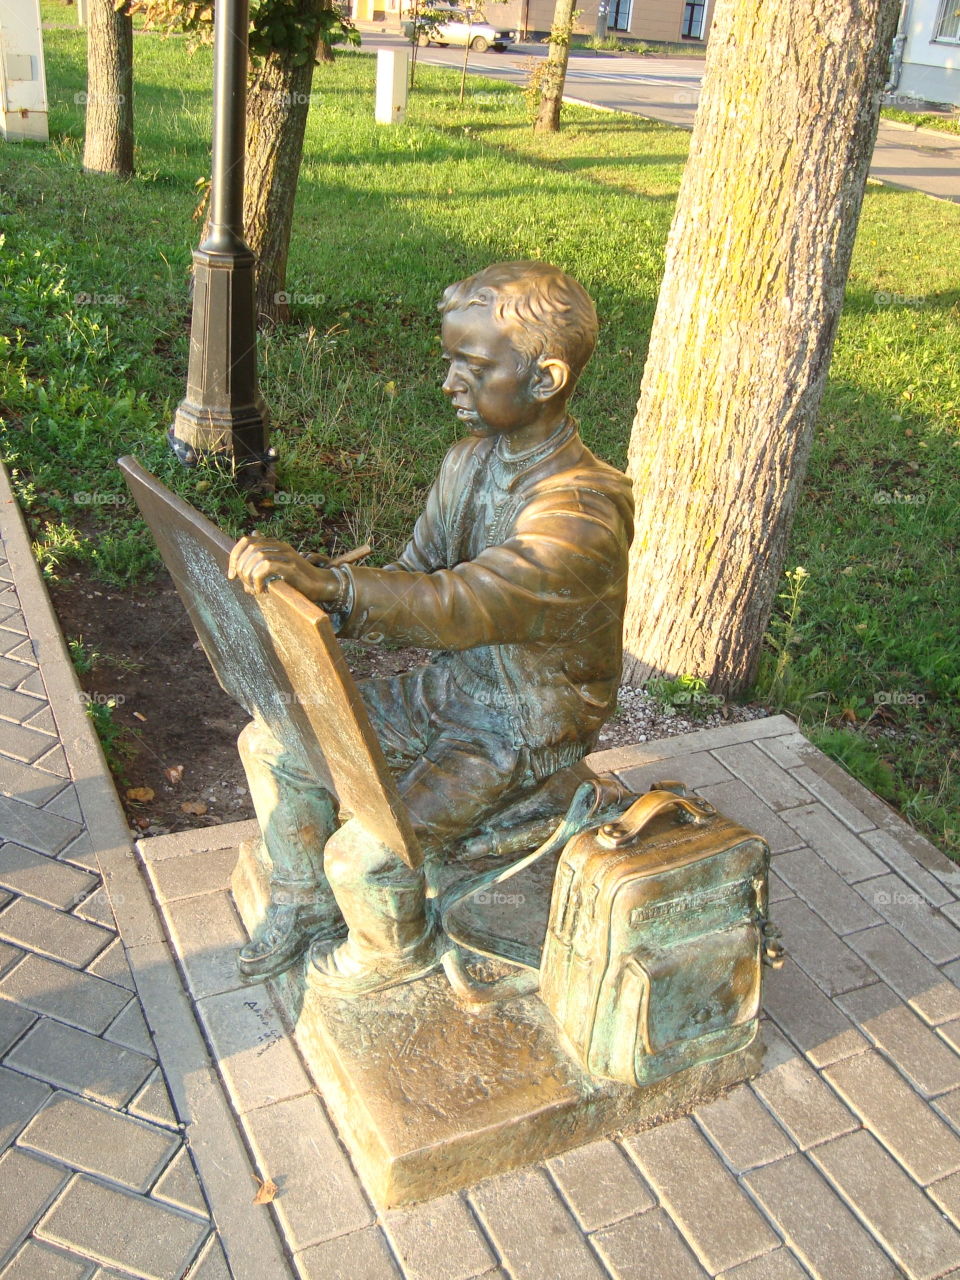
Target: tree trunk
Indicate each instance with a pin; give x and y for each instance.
(108, 135)
(278, 99)
(757, 261)
(555, 70)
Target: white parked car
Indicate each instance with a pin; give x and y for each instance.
(462, 26)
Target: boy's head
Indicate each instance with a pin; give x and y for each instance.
(517, 336)
(547, 312)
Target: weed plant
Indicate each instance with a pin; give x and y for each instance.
(95, 310)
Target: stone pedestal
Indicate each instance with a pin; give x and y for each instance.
(429, 1097)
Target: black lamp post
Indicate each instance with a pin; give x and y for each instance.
(223, 412)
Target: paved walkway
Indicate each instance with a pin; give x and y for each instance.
(841, 1159)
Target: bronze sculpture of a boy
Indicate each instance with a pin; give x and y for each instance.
(516, 576)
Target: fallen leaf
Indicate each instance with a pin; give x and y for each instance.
(174, 773)
(848, 715)
(266, 1191)
(141, 794)
(138, 715)
(194, 806)
(141, 823)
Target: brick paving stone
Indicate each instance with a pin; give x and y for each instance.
(950, 1031)
(257, 1058)
(97, 909)
(600, 1184)
(743, 1129)
(178, 1185)
(36, 828)
(130, 1030)
(773, 785)
(20, 707)
(23, 743)
(911, 974)
(717, 1220)
(14, 1020)
(118, 1229)
(806, 1107)
(778, 1265)
(112, 966)
(699, 769)
(737, 798)
(207, 935)
(211, 1264)
(28, 786)
(777, 889)
(33, 684)
(95, 1140)
(439, 1240)
(509, 1204)
(816, 1223)
(905, 1125)
(8, 957)
(912, 915)
(20, 1099)
(320, 1197)
(909, 1227)
(40, 718)
(948, 1104)
(43, 877)
(79, 1062)
(361, 1255)
(904, 862)
(13, 672)
(43, 929)
(24, 652)
(207, 872)
(66, 805)
(27, 1186)
(946, 1193)
(55, 761)
(82, 852)
(839, 848)
(916, 1050)
(153, 1102)
(832, 799)
(646, 1247)
(820, 953)
(35, 1261)
(811, 1020)
(789, 750)
(821, 888)
(78, 998)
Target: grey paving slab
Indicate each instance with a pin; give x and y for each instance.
(153, 1102)
(130, 1030)
(96, 1140)
(508, 1204)
(39, 829)
(837, 845)
(897, 1116)
(27, 1186)
(178, 1186)
(320, 1196)
(46, 931)
(20, 707)
(743, 1130)
(8, 957)
(66, 994)
(195, 873)
(833, 799)
(207, 933)
(66, 805)
(118, 1229)
(700, 769)
(910, 1228)
(600, 1184)
(778, 1265)
(43, 877)
(718, 1221)
(14, 1020)
(737, 798)
(22, 742)
(439, 1240)
(55, 762)
(763, 776)
(816, 1223)
(909, 973)
(835, 901)
(806, 1108)
(112, 966)
(34, 1261)
(82, 1063)
(816, 948)
(946, 1194)
(912, 915)
(811, 1020)
(20, 1099)
(211, 1264)
(96, 908)
(361, 1255)
(896, 854)
(647, 1246)
(909, 1042)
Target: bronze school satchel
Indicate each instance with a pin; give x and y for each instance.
(656, 938)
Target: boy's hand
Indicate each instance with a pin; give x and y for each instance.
(257, 561)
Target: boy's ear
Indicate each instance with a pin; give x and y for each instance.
(550, 376)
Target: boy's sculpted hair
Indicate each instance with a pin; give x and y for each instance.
(547, 312)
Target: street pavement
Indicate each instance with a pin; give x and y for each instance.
(144, 1090)
(668, 89)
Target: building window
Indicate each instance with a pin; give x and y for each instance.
(948, 21)
(693, 20)
(619, 15)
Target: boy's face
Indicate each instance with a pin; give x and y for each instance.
(484, 384)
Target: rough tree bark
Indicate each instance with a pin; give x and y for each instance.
(108, 133)
(278, 99)
(757, 261)
(554, 71)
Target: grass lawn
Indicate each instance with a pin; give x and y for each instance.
(93, 295)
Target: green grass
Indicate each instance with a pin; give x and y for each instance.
(923, 119)
(93, 293)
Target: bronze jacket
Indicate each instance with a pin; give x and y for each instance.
(517, 570)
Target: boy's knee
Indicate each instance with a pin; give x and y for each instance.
(352, 855)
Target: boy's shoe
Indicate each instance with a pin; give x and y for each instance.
(342, 972)
(286, 932)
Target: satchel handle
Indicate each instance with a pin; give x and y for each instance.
(614, 835)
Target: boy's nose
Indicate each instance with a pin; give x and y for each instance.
(451, 382)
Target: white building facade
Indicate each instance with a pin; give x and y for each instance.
(926, 61)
